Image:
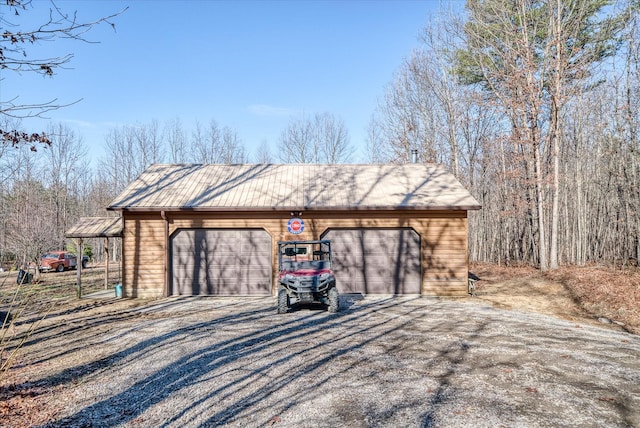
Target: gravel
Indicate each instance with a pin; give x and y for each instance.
(379, 362)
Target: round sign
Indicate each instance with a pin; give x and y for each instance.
(295, 225)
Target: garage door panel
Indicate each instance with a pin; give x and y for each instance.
(221, 262)
(376, 261)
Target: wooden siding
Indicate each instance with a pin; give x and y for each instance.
(144, 250)
(443, 242)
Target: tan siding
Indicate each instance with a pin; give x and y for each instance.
(445, 289)
(443, 241)
(144, 255)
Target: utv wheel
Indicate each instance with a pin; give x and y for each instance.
(334, 301)
(283, 301)
(60, 268)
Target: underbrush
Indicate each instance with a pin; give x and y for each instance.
(56, 286)
(23, 306)
(600, 291)
(613, 293)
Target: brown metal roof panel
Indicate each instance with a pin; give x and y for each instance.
(263, 186)
(318, 189)
(95, 227)
(230, 192)
(157, 194)
(244, 194)
(197, 192)
(284, 188)
(241, 195)
(252, 195)
(150, 188)
(282, 194)
(173, 191)
(370, 187)
(193, 186)
(312, 186)
(223, 194)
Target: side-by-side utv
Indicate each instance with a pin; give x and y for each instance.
(305, 275)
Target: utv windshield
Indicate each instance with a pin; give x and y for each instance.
(296, 255)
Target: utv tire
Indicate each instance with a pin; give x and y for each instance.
(60, 268)
(334, 301)
(283, 301)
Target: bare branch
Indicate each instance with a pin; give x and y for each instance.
(15, 44)
(23, 111)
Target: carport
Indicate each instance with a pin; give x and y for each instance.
(191, 229)
(94, 227)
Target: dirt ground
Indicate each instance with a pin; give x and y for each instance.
(524, 351)
(590, 294)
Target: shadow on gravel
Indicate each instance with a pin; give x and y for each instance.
(90, 322)
(455, 357)
(206, 362)
(210, 364)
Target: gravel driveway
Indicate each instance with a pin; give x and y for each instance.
(387, 362)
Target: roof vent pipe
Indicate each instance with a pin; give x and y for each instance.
(414, 155)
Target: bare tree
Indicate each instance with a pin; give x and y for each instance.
(297, 142)
(216, 145)
(551, 155)
(28, 209)
(205, 144)
(375, 145)
(335, 145)
(176, 141)
(129, 150)
(527, 54)
(421, 109)
(149, 143)
(232, 149)
(399, 118)
(322, 138)
(15, 55)
(263, 154)
(64, 162)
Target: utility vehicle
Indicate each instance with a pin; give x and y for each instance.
(305, 275)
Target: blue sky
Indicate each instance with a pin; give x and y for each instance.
(250, 65)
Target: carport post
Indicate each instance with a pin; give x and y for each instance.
(106, 267)
(79, 268)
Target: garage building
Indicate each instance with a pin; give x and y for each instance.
(193, 229)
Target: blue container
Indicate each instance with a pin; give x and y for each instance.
(118, 291)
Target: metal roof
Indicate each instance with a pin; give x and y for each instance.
(96, 227)
(294, 187)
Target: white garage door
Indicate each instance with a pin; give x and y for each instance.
(376, 261)
(221, 262)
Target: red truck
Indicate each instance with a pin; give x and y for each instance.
(59, 261)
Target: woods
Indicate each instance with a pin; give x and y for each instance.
(533, 105)
(538, 119)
